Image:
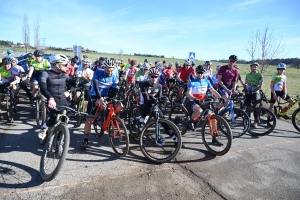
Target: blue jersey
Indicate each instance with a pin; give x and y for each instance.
(104, 82)
(199, 88)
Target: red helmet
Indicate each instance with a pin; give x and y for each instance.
(133, 62)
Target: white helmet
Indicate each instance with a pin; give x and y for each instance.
(187, 62)
(86, 61)
(153, 71)
(58, 58)
(159, 65)
(146, 66)
(281, 66)
(170, 64)
(110, 63)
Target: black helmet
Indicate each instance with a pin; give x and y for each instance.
(233, 57)
(7, 60)
(200, 68)
(74, 60)
(38, 53)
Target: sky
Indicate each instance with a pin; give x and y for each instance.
(212, 29)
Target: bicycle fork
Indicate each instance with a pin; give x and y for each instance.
(212, 125)
(116, 134)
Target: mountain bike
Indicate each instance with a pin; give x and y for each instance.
(279, 111)
(107, 120)
(11, 108)
(57, 144)
(211, 126)
(160, 139)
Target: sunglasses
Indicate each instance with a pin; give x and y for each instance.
(154, 76)
(232, 61)
(200, 72)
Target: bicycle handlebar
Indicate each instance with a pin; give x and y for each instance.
(59, 108)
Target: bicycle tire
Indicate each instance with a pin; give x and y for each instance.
(79, 118)
(173, 96)
(241, 124)
(9, 111)
(118, 138)
(267, 123)
(167, 148)
(296, 119)
(134, 122)
(40, 112)
(180, 117)
(60, 135)
(225, 137)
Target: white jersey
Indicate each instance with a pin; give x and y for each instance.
(86, 73)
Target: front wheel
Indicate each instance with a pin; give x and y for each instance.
(134, 121)
(263, 123)
(180, 117)
(118, 137)
(40, 112)
(54, 153)
(160, 142)
(296, 119)
(216, 141)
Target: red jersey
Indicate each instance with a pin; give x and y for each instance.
(70, 70)
(184, 74)
(169, 72)
(131, 74)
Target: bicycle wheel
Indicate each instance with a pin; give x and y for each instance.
(296, 119)
(240, 125)
(118, 137)
(174, 96)
(210, 132)
(166, 146)
(79, 118)
(134, 122)
(180, 117)
(9, 110)
(40, 112)
(266, 122)
(98, 124)
(55, 152)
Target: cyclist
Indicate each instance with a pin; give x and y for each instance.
(142, 75)
(253, 83)
(278, 87)
(177, 66)
(9, 53)
(197, 92)
(36, 66)
(214, 78)
(164, 64)
(70, 69)
(185, 74)
(169, 73)
(8, 77)
(74, 65)
(53, 87)
(208, 71)
(104, 83)
(130, 74)
(227, 78)
(85, 76)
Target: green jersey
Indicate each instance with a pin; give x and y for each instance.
(253, 80)
(40, 66)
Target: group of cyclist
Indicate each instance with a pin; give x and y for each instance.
(58, 76)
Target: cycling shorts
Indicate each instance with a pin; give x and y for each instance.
(279, 94)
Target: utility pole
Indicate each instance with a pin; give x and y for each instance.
(44, 42)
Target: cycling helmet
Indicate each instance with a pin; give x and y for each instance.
(170, 64)
(187, 62)
(15, 59)
(281, 66)
(200, 68)
(86, 61)
(207, 62)
(101, 58)
(7, 60)
(159, 65)
(121, 60)
(153, 71)
(40, 53)
(193, 63)
(255, 63)
(233, 57)
(218, 67)
(177, 63)
(146, 60)
(133, 62)
(146, 66)
(58, 58)
(74, 60)
(10, 52)
(109, 63)
(164, 61)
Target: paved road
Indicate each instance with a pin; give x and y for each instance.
(255, 168)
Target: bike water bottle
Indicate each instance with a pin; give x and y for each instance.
(285, 108)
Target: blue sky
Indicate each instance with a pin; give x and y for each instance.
(212, 29)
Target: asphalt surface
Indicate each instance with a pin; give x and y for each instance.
(264, 167)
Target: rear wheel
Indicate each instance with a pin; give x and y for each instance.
(98, 124)
(134, 122)
(296, 119)
(118, 137)
(54, 153)
(216, 141)
(165, 146)
(79, 118)
(180, 117)
(265, 122)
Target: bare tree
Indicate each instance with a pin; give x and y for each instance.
(265, 47)
(26, 32)
(120, 53)
(37, 40)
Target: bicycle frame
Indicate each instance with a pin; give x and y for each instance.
(230, 106)
(111, 114)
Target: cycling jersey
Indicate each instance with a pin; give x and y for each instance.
(17, 70)
(140, 76)
(40, 66)
(122, 66)
(53, 84)
(229, 75)
(70, 70)
(279, 81)
(149, 91)
(214, 79)
(10, 76)
(208, 73)
(169, 72)
(131, 73)
(253, 80)
(199, 87)
(104, 83)
(85, 72)
(185, 74)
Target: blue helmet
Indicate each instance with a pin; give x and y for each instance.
(10, 52)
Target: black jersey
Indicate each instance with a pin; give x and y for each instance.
(149, 91)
